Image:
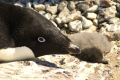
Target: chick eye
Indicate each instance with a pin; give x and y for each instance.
(41, 39)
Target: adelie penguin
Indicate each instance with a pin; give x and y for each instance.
(24, 33)
(94, 46)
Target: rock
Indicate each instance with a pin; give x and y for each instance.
(87, 2)
(108, 13)
(39, 7)
(114, 20)
(111, 27)
(47, 4)
(64, 12)
(55, 1)
(65, 25)
(42, 12)
(48, 16)
(85, 23)
(103, 24)
(71, 17)
(53, 17)
(83, 7)
(118, 7)
(19, 4)
(93, 28)
(62, 5)
(25, 1)
(75, 26)
(71, 5)
(107, 3)
(58, 21)
(28, 5)
(52, 9)
(95, 22)
(41, 1)
(91, 16)
(93, 8)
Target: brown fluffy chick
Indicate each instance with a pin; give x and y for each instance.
(93, 46)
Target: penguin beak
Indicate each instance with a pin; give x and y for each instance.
(73, 49)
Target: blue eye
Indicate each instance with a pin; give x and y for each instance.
(41, 39)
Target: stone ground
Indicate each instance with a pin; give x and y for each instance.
(63, 67)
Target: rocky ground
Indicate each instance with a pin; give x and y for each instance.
(101, 16)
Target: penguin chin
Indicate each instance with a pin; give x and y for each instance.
(14, 54)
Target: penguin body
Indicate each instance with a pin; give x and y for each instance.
(23, 29)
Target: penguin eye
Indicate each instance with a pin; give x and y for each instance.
(41, 39)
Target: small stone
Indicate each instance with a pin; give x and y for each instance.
(39, 7)
(41, 1)
(83, 7)
(64, 13)
(93, 28)
(91, 16)
(25, 1)
(111, 27)
(55, 1)
(48, 4)
(93, 8)
(48, 16)
(52, 9)
(108, 13)
(19, 4)
(65, 25)
(62, 5)
(58, 21)
(114, 20)
(102, 24)
(85, 23)
(71, 17)
(95, 22)
(71, 5)
(53, 17)
(28, 5)
(75, 26)
(42, 12)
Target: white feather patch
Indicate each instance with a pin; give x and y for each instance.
(18, 53)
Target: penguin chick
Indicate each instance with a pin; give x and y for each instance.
(93, 46)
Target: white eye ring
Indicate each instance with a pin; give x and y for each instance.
(41, 39)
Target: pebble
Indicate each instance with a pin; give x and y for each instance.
(41, 1)
(93, 8)
(48, 16)
(71, 5)
(83, 7)
(85, 23)
(64, 12)
(75, 26)
(62, 5)
(42, 12)
(108, 13)
(95, 22)
(52, 9)
(71, 17)
(39, 7)
(91, 16)
(114, 20)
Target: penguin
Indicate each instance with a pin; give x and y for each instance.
(94, 46)
(24, 30)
